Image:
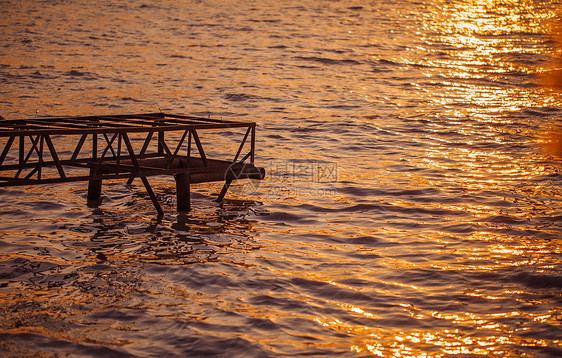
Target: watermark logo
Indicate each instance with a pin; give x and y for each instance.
(238, 171)
(287, 178)
(299, 171)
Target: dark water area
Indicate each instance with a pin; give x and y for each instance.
(409, 208)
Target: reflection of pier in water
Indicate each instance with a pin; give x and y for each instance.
(97, 148)
(209, 234)
(107, 255)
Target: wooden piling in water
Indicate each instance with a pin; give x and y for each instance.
(183, 192)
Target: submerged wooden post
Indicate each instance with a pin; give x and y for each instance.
(94, 188)
(183, 192)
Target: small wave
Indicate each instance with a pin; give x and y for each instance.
(344, 106)
(538, 280)
(383, 61)
(521, 276)
(367, 241)
(241, 97)
(325, 290)
(82, 74)
(130, 99)
(265, 20)
(328, 61)
(284, 217)
(542, 112)
(178, 56)
(38, 343)
(39, 75)
(371, 192)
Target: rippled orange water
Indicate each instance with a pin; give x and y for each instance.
(410, 208)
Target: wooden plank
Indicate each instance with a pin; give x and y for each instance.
(144, 118)
(100, 130)
(197, 175)
(16, 127)
(21, 182)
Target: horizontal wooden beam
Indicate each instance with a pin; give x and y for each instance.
(134, 123)
(197, 175)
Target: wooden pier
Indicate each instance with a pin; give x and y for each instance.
(96, 148)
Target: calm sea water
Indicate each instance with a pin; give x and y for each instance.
(409, 209)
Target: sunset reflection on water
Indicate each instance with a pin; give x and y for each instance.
(409, 207)
(469, 42)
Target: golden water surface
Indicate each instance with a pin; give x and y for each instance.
(409, 208)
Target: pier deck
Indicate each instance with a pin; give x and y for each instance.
(95, 148)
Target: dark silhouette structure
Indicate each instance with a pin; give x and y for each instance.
(96, 148)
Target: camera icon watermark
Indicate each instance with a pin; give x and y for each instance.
(237, 171)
